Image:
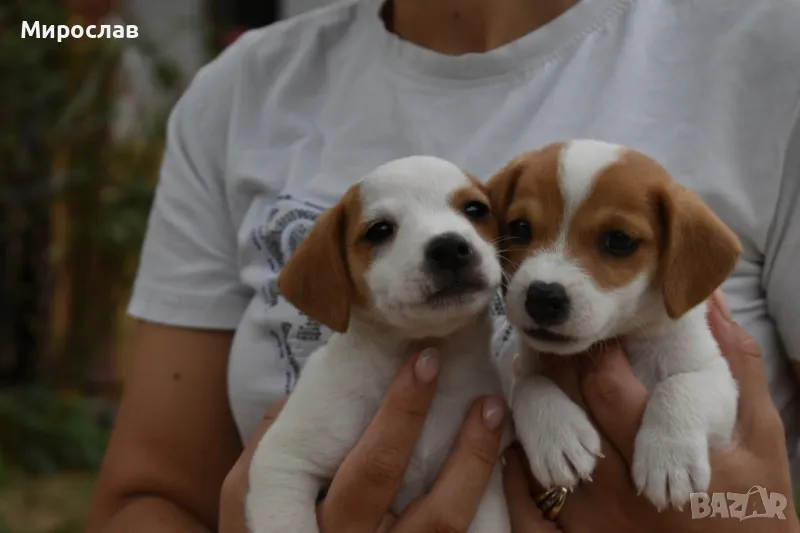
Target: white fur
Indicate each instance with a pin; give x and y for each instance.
(415, 193)
(343, 383)
(694, 395)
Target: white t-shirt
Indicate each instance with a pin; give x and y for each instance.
(275, 129)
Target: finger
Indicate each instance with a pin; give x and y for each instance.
(564, 371)
(756, 409)
(386, 524)
(459, 487)
(521, 506)
(615, 398)
(266, 422)
(269, 418)
(533, 483)
(234, 487)
(365, 484)
(741, 351)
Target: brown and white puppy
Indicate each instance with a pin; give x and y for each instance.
(599, 243)
(405, 260)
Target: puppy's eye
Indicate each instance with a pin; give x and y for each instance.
(619, 244)
(521, 230)
(379, 232)
(476, 210)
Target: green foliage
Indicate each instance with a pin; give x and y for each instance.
(72, 526)
(45, 431)
(60, 158)
(34, 87)
(33, 91)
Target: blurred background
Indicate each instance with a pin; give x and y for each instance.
(81, 130)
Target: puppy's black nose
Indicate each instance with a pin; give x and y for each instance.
(450, 252)
(547, 303)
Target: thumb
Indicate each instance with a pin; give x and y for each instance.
(266, 422)
(615, 398)
(744, 358)
(387, 523)
(235, 485)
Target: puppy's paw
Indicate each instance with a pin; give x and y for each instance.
(562, 447)
(669, 466)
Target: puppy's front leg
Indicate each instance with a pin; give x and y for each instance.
(686, 414)
(319, 425)
(283, 491)
(493, 515)
(558, 438)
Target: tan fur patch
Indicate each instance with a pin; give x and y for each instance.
(324, 278)
(359, 252)
(685, 248)
(624, 198)
(488, 228)
(528, 189)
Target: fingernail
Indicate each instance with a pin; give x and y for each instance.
(493, 411)
(427, 365)
(722, 305)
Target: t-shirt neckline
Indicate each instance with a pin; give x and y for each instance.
(537, 46)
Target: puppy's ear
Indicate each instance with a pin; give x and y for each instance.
(501, 189)
(699, 251)
(316, 278)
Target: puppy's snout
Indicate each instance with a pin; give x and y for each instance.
(449, 252)
(547, 303)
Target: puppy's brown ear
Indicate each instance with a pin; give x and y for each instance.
(316, 278)
(699, 251)
(501, 189)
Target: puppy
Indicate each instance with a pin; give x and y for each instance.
(601, 243)
(404, 260)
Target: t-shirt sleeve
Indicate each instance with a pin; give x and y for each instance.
(188, 274)
(782, 264)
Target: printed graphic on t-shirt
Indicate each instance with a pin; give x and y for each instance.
(293, 335)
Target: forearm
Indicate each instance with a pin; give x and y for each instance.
(153, 515)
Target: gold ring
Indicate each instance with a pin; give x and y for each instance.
(552, 501)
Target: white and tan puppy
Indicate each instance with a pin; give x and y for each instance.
(601, 243)
(404, 260)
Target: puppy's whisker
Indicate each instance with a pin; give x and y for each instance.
(500, 240)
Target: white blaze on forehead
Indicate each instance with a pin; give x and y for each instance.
(580, 162)
(422, 181)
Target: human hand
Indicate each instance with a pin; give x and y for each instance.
(365, 485)
(233, 493)
(616, 400)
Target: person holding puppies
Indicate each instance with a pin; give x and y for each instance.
(272, 132)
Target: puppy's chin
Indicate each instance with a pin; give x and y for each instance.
(437, 317)
(556, 347)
